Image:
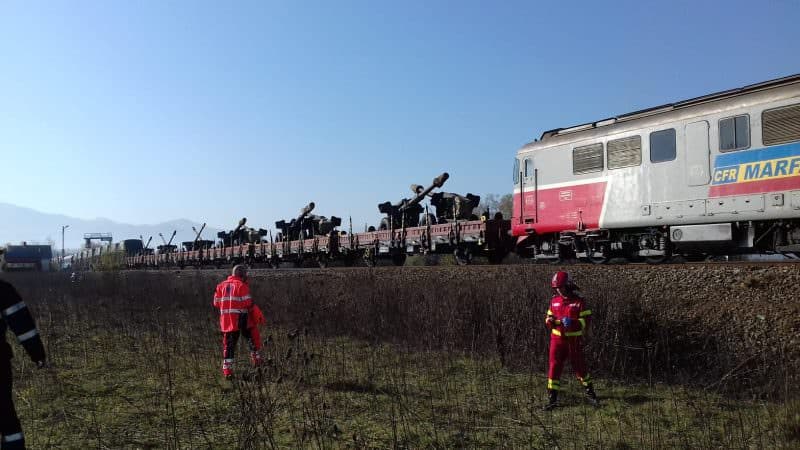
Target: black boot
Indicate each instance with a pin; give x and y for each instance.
(591, 396)
(552, 400)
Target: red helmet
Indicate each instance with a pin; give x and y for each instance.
(562, 280)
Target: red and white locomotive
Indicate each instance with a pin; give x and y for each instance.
(717, 174)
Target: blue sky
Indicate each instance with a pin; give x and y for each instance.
(148, 111)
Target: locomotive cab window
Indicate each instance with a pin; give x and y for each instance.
(734, 133)
(587, 159)
(662, 145)
(781, 125)
(516, 170)
(528, 168)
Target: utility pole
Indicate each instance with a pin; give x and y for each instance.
(63, 227)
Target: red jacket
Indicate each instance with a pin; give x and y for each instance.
(572, 307)
(232, 297)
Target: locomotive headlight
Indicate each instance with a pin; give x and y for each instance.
(677, 234)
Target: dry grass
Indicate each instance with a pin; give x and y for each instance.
(136, 365)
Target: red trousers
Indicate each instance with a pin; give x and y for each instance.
(229, 341)
(560, 349)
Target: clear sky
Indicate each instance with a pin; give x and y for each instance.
(154, 110)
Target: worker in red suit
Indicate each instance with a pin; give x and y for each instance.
(14, 314)
(567, 319)
(237, 314)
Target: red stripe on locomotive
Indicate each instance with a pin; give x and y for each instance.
(560, 208)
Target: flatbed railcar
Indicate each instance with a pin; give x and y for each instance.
(463, 239)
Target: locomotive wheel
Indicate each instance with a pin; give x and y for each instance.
(463, 256)
(660, 259)
(566, 255)
(275, 263)
(322, 261)
(593, 247)
(399, 259)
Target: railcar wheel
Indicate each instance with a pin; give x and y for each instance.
(322, 261)
(463, 256)
(399, 259)
(495, 256)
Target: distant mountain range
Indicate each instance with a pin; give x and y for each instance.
(18, 224)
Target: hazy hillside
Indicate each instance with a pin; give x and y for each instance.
(24, 224)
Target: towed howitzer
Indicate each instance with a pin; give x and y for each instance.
(146, 250)
(307, 225)
(197, 243)
(406, 212)
(290, 231)
(450, 206)
(241, 235)
(168, 247)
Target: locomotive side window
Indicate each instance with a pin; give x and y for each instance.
(587, 159)
(734, 133)
(624, 152)
(528, 168)
(781, 125)
(516, 171)
(662, 145)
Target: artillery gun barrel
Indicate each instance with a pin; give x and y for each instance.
(239, 226)
(421, 194)
(305, 211)
(198, 233)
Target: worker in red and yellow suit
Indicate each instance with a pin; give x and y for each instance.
(237, 314)
(567, 319)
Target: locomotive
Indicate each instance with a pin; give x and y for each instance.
(713, 175)
(718, 174)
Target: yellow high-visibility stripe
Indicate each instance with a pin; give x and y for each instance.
(583, 323)
(568, 333)
(585, 313)
(549, 312)
(553, 385)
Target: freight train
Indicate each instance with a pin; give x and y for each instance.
(713, 175)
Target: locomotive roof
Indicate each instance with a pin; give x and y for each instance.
(669, 107)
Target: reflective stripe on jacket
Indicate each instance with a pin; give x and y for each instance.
(232, 298)
(14, 314)
(572, 307)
